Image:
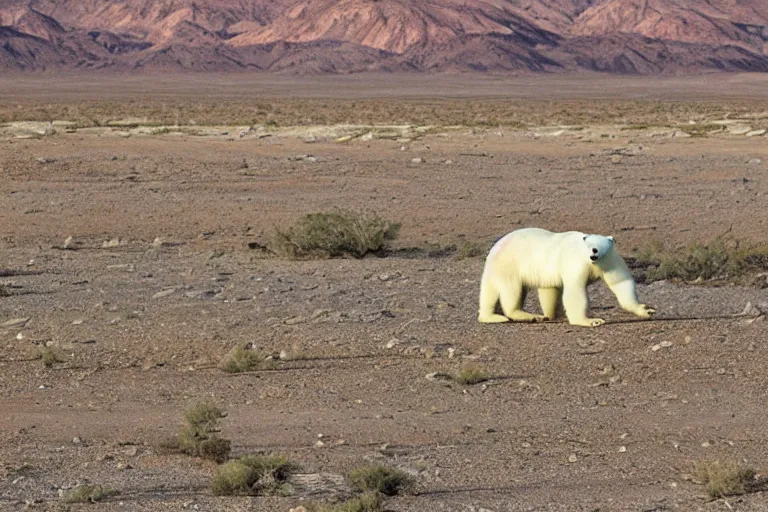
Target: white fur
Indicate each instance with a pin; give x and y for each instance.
(559, 265)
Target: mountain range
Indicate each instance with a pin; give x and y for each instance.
(346, 36)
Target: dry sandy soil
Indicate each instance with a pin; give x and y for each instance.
(573, 418)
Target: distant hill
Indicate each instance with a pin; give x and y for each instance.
(344, 36)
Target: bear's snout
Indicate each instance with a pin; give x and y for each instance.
(594, 250)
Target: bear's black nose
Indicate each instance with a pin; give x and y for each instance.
(594, 251)
(593, 258)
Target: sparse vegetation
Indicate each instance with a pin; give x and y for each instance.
(253, 475)
(703, 262)
(367, 502)
(87, 494)
(49, 357)
(199, 438)
(700, 130)
(466, 249)
(728, 479)
(242, 358)
(334, 234)
(381, 479)
(471, 374)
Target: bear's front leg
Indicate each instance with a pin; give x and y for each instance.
(626, 294)
(576, 304)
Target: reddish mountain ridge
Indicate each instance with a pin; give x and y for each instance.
(341, 36)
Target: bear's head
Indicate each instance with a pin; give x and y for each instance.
(598, 246)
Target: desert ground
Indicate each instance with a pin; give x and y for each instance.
(169, 190)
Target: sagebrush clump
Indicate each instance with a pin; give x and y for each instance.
(335, 234)
(714, 261)
(381, 479)
(253, 475)
(728, 479)
(198, 438)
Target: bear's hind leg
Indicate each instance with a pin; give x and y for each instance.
(549, 299)
(489, 296)
(512, 300)
(576, 304)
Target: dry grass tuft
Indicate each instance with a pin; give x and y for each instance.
(716, 261)
(244, 359)
(87, 494)
(333, 235)
(728, 479)
(367, 502)
(381, 479)
(49, 357)
(253, 475)
(471, 374)
(199, 438)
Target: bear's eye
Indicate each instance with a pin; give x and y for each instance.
(594, 251)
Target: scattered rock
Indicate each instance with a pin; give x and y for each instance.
(294, 320)
(111, 244)
(756, 133)
(616, 159)
(67, 243)
(659, 346)
(164, 293)
(572, 458)
(417, 160)
(15, 322)
(45, 160)
(754, 161)
(739, 129)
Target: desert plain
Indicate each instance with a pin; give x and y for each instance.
(135, 211)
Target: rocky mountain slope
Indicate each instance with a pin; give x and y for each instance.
(341, 36)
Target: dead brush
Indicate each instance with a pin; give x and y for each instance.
(366, 502)
(87, 493)
(49, 357)
(333, 235)
(253, 475)
(698, 262)
(471, 374)
(381, 479)
(243, 358)
(728, 479)
(198, 438)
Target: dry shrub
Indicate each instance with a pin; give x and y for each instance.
(728, 479)
(199, 438)
(334, 234)
(253, 475)
(471, 374)
(381, 479)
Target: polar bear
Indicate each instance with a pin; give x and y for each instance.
(558, 264)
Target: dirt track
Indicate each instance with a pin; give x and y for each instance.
(634, 420)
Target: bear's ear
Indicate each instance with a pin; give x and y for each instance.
(611, 239)
(585, 238)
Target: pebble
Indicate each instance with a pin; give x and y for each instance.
(659, 346)
(15, 322)
(294, 320)
(622, 449)
(417, 160)
(110, 244)
(572, 458)
(163, 293)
